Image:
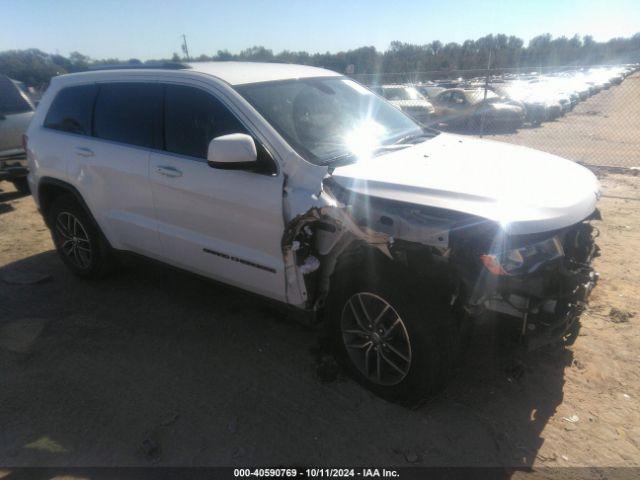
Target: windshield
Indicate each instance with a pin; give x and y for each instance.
(327, 118)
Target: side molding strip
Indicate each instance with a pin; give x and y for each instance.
(239, 260)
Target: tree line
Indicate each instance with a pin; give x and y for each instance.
(35, 67)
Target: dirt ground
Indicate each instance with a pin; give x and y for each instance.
(157, 367)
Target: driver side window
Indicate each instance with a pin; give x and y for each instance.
(192, 118)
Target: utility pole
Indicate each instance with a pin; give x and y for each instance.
(486, 87)
(185, 49)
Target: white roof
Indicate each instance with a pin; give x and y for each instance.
(239, 73)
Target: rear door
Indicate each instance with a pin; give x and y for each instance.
(111, 167)
(224, 224)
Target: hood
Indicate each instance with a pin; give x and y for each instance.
(524, 190)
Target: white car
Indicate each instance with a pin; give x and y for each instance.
(301, 185)
(409, 100)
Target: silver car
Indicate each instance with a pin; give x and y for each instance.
(16, 110)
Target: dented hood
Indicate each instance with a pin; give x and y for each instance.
(524, 190)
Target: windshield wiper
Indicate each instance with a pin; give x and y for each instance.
(412, 138)
(342, 158)
(349, 157)
(407, 139)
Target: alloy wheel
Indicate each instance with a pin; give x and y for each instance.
(73, 239)
(376, 338)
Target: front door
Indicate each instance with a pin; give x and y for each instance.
(224, 224)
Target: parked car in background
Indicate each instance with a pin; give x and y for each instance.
(536, 110)
(471, 108)
(409, 100)
(16, 111)
(429, 91)
(299, 184)
(541, 96)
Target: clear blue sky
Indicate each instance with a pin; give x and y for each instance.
(152, 29)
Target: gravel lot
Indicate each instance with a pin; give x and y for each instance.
(602, 130)
(157, 367)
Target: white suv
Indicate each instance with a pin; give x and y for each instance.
(301, 185)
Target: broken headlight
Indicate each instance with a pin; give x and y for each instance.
(524, 259)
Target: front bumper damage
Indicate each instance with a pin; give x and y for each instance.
(546, 305)
(441, 248)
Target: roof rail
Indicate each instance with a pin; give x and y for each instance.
(138, 66)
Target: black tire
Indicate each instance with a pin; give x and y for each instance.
(22, 185)
(79, 242)
(425, 320)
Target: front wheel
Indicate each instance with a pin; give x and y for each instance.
(390, 339)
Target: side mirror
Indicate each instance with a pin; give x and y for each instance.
(236, 151)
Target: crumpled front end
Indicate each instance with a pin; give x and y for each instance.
(545, 294)
(539, 281)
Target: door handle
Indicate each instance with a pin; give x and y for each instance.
(84, 152)
(169, 171)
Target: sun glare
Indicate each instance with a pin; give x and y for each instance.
(364, 138)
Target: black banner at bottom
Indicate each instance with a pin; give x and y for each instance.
(403, 473)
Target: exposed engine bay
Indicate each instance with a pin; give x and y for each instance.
(541, 281)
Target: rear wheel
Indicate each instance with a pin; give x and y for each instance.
(77, 239)
(389, 338)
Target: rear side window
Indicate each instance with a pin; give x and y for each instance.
(129, 113)
(193, 118)
(71, 110)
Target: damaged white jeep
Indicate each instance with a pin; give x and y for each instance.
(299, 184)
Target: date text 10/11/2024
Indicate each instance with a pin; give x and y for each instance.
(316, 472)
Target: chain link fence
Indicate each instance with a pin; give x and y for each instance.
(587, 114)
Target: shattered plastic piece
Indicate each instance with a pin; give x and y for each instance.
(571, 419)
(311, 264)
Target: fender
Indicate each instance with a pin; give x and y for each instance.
(45, 200)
